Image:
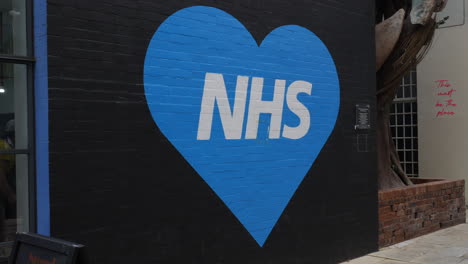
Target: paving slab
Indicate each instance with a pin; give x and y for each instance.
(447, 246)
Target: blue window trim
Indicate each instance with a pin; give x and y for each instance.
(41, 116)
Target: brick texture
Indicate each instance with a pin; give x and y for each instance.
(118, 185)
(428, 206)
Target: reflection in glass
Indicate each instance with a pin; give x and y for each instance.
(7, 187)
(14, 214)
(13, 102)
(13, 27)
(22, 197)
(13, 167)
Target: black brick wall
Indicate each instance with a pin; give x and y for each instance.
(118, 186)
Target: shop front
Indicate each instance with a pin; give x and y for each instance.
(17, 133)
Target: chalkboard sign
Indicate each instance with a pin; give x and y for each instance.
(37, 249)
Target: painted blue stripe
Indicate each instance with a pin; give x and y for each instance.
(42, 118)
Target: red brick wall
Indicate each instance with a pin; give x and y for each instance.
(425, 207)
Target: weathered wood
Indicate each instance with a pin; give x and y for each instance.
(413, 41)
(387, 34)
(422, 11)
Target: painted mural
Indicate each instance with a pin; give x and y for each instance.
(250, 119)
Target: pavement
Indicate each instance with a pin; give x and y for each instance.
(447, 246)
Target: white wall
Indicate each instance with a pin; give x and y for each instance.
(443, 141)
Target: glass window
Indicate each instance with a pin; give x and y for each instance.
(16, 117)
(13, 27)
(14, 199)
(14, 157)
(13, 101)
(404, 124)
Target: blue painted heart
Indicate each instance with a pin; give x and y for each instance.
(251, 120)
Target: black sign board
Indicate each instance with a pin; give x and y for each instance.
(362, 116)
(37, 249)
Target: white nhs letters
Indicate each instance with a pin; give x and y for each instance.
(214, 91)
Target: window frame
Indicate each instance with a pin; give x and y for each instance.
(401, 99)
(29, 62)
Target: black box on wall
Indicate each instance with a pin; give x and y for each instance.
(143, 197)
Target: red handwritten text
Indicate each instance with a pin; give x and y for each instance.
(449, 93)
(444, 113)
(450, 103)
(443, 83)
